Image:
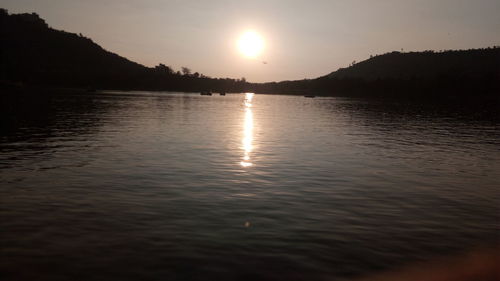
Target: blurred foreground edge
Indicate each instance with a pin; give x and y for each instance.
(480, 264)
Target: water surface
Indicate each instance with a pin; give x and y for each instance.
(178, 186)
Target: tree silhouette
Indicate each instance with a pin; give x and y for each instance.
(186, 71)
(161, 68)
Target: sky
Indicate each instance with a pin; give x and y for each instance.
(303, 39)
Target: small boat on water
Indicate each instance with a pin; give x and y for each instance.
(309, 96)
(222, 93)
(205, 93)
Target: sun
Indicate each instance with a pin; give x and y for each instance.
(251, 44)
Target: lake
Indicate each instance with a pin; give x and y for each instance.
(179, 186)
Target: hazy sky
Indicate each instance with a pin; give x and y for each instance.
(304, 39)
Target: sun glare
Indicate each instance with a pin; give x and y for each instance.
(251, 44)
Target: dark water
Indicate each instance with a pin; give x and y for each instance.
(154, 186)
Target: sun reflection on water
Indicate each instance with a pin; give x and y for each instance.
(247, 131)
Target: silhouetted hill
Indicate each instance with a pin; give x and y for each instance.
(428, 64)
(470, 73)
(32, 53)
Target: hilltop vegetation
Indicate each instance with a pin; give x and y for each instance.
(32, 53)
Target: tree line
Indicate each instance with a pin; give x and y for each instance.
(32, 53)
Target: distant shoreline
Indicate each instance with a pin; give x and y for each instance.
(9, 88)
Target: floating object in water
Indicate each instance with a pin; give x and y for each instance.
(205, 93)
(309, 96)
(247, 224)
(222, 93)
